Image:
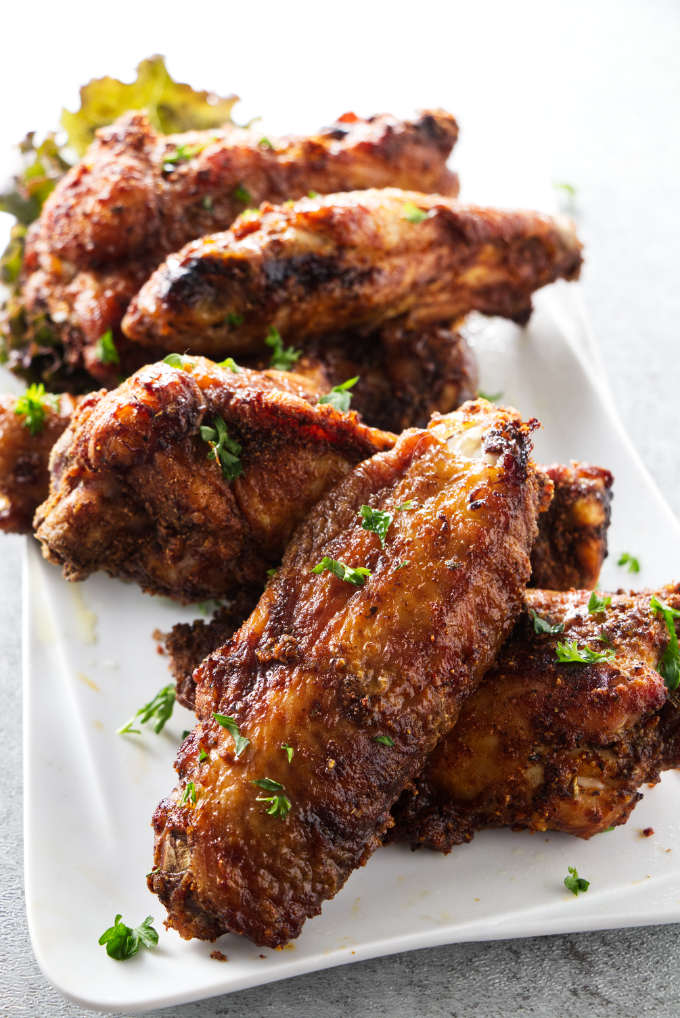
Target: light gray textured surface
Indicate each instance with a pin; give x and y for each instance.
(605, 99)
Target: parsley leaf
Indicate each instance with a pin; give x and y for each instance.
(574, 883)
(490, 397)
(283, 357)
(542, 625)
(630, 561)
(376, 521)
(279, 803)
(288, 750)
(242, 193)
(265, 143)
(223, 450)
(234, 319)
(413, 213)
(240, 741)
(182, 154)
(160, 708)
(339, 397)
(105, 349)
(569, 652)
(347, 573)
(189, 794)
(669, 665)
(229, 364)
(312, 194)
(202, 756)
(568, 189)
(176, 360)
(598, 605)
(409, 504)
(122, 942)
(33, 405)
(384, 740)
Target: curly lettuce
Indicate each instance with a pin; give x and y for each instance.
(32, 348)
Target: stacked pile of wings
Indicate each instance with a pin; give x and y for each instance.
(287, 422)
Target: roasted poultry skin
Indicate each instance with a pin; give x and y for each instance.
(348, 260)
(137, 196)
(329, 667)
(136, 489)
(546, 745)
(24, 473)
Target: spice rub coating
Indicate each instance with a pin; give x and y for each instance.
(328, 668)
(24, 473)
(136, 489)
(346, 260)
(550, 746)
(137, 196)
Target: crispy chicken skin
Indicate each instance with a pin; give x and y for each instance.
(347, 260)
(550, 746)
(327, 667)
(24, 474)
(136, 491)
(137, 196)
(572, 540)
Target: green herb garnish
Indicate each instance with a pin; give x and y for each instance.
(234, 319)
(598, 605)
(568, 189)
(202, 756)
(33, 406)
(176, 360)
(242, 193)
(240, 741)
(265, 143)
(208, 607)
(490, 397)
(122, 942)
(279, 803)
(283, 357)
(288, 750)
(347, 573)
(630, 561)
(182, 154)
(189, 794)
(569, 652)
(413, 213)
(574, 883)
(384, 740)
(339, 396)
(230, 364)
(542, 625)
(224, 450)
(160, 708)
(375, 520)
(105, 349)
(669, 665)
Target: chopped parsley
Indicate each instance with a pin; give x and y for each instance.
(122, 942)
(234, 319)
(347, 573)
(490, 397)
(288, 750)
(283, 357)
(574, 883)
(240, 741)
(376, 521)
(202, 756)
(630, 561)
(265, 143)
(406, 562)
(279, 803)
(182, 154)
(224, 450)
(598, 605)
(339, 396)
(189, 794)
(229, 364)
(413, 213)
(542, 625)
(273, 571)
(159, 708)
(208, 607)
(409, 504)
(669, 665)
(569, 652)
(242, 193)
(384, 740)
(248, 215)
(312, 194)
(33, 406)
(105, 349)
(176, 360)
(567, 189)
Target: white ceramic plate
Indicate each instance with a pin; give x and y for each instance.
(90, 662)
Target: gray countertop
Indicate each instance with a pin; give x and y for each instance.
(606, 95)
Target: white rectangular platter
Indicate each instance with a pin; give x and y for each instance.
(91, 661)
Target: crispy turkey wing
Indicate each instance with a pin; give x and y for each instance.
(343, 260)
(137, 196)
(24, 474)
(551, 746)
(136, 488)
(361, 681)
